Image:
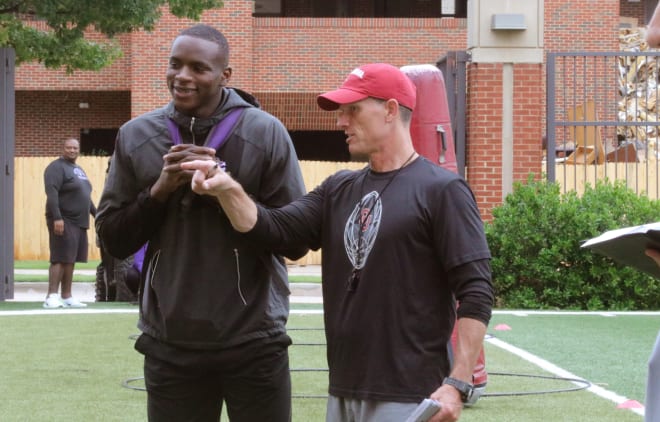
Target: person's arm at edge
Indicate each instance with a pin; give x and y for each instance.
(654, 254)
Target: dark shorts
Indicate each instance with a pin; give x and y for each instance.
(70, 247)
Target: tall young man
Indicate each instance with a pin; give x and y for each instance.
(213, 307)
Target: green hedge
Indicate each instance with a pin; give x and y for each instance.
(535, 238)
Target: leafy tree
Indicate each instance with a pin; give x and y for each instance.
(62, 43)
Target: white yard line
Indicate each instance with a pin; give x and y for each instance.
(555, 370)
(523, 313)
(112, 311)
(69, 311)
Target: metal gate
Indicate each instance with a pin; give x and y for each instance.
(7, 143)
(453, 67)
(603, 118)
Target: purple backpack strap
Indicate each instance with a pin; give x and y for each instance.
(218, 134)
(138, 257)
(174, 131)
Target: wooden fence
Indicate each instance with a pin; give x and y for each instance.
(31, 234)
(642, 177)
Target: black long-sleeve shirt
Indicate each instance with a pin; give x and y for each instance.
(417, 240)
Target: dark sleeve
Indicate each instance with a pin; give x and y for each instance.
(462, 245)
(53, 179)
(127, 217)
(92, 208)
(459, 229)
(123, 231)
(473, 288)
(297, 225)
(282, 183)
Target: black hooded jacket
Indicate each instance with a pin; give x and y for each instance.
(203, 286)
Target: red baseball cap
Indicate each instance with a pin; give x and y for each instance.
(377, 80)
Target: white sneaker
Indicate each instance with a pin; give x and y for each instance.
(53, 301)
(71, 302)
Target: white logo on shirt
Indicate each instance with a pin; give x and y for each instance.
(80, 174)
(363, 223)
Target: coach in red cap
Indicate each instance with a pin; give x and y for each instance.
(401, 240)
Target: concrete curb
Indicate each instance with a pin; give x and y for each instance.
(36, 291)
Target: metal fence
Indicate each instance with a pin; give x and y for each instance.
(453, 66)
(603, 119)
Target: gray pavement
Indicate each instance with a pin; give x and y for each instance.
(36, 292)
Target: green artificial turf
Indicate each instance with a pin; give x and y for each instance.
(43, 265)
(611, 351)
(91, 265)
(71, 367)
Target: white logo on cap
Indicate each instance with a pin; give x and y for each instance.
(358, 72)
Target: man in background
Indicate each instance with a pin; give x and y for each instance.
(68, 206)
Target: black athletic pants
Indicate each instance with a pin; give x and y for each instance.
(184, 385)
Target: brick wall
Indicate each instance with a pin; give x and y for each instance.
(305, 54)
(569, 26)
(529, 105)
(286, 62)
(298, 111)
(590, 25)
(59, 117)
(484, 131)
(35, 77)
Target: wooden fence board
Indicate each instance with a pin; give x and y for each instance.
(31, 234)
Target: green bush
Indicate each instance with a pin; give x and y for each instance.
(535, 238)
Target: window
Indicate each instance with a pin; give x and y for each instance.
(362, 8)
(267, 8)
(317, 145)
(97, 141)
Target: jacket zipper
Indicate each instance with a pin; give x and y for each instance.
(192, 133)
(151, 269)
(238, 276)
(149, 281)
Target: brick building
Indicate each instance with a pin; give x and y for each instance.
(287, 51)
